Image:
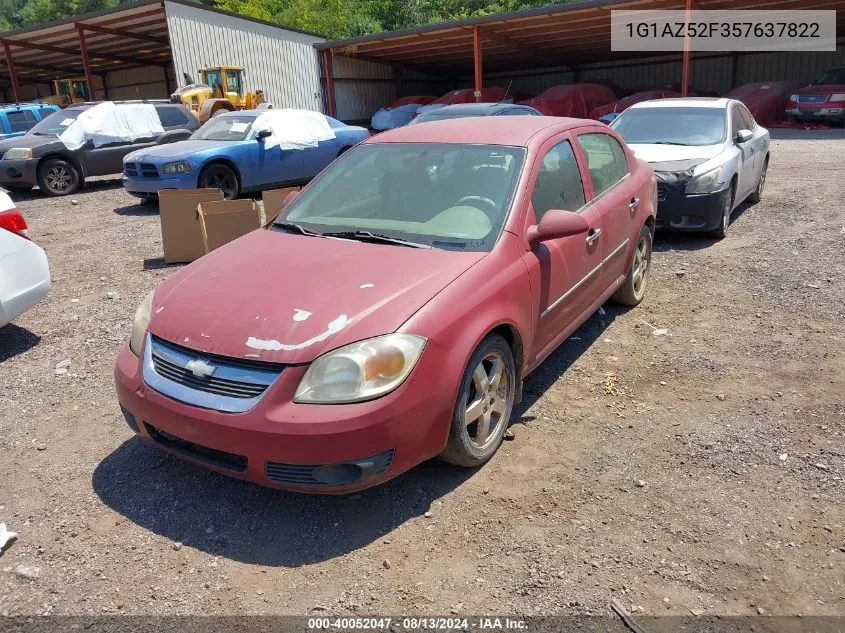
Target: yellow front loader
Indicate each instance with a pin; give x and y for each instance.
(68, 91)
(220, 88)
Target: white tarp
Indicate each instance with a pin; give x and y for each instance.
(109, 123)
(294, 129)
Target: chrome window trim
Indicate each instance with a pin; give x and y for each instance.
(196, 397)
(585, 278)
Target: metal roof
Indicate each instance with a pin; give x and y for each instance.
(565, 34)
(130, 35)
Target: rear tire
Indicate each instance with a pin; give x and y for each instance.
(58, 177)
(632, 290)
(484, 405)
(219, 176)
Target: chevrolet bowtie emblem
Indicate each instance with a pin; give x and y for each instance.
(200, 368)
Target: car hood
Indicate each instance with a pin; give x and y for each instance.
(652, 153)
(287, 298)
(821, 89)
(173, 151)
(30, 140)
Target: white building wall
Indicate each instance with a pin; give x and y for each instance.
(282, 63)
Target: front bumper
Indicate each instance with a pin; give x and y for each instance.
(21, 172)
(149, 187)
(677, 211)
(282, 444)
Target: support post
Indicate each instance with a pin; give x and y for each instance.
(83, 49)
(104, 79)
(685, 69)
(168, 86)
(329, 73)
(13, 76)
(477, 61)
(397, 78)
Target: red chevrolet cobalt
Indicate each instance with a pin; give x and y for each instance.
(392, 312)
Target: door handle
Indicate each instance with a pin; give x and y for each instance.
(634, 204)
(593, 236)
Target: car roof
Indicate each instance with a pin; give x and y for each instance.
(685, 102)
(481, 109)
(517, 130)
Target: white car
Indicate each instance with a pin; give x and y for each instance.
(24, 272)
(708, 155)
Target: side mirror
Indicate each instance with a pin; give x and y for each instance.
(743, 136)
(263, 134)
(173, 136)
(292, 195)
(557, 224)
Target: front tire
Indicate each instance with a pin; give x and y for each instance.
(484, 405)
(632, 290)
(761, 183)
(58, 177)
(219, 176)
(727, 209)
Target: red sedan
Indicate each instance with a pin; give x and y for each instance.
(392, 312)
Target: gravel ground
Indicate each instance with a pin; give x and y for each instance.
(697, 470)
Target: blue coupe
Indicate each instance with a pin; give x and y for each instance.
(239, 152)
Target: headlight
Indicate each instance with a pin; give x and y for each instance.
(139, 325)
(708, 182)
(839, 96)
(16, 153)
(793, 98)
(179, 167)
(361, 371)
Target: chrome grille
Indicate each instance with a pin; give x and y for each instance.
(205, 380)
(820, 98)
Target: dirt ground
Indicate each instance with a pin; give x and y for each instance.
(693, 470)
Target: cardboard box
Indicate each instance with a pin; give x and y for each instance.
(226, 220)
(181, 235)
(274, 201)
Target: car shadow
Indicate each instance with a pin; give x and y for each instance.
(560, 360)
(252, 524)
(680, 241)
(155, 263)
(91, 186)
(140, 208)
(15, 340)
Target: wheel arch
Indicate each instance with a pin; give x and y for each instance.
(510, 333)
(222, 160)
(69, 157)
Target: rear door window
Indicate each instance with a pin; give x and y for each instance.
(558, 184)
(21, 120)
(45, 112)
(606, 160)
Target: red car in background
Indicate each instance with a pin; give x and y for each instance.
(822, 100)
(571, 100)
(430, 269)
(765, 100)
(616, 107)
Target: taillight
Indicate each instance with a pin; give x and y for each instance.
(13, 221)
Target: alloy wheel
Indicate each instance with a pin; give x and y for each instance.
(642, 259)
(762, 182)
(222, 181)
(487, 400)
(59, 178)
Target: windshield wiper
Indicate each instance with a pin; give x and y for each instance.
(670, 143)
(367, 236)
(295, 227)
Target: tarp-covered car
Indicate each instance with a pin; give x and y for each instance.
(467, 95)
(572, 100)
(236, 152)
(610, 111)
(398, 113)
(708, 155)
(766, 100)
(67, 147)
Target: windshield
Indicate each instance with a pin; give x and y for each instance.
(224, 128)
(443, 195)
(832, 77)
(672, 126)
(56, 123)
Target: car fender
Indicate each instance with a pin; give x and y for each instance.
(72, 158)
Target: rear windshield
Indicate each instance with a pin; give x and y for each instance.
(438, 115)
(56, 123)
(672, 126)
(224, 128)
